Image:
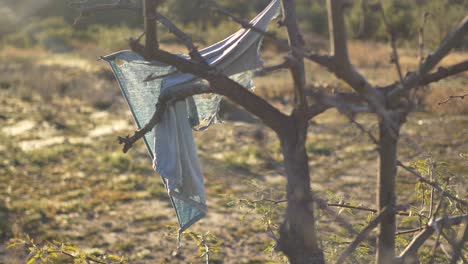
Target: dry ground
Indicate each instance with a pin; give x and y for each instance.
(63, 176)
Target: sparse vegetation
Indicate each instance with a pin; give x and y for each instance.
(63, 177)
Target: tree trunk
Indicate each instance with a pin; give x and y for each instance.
(386, 192)
(298, 237)
(151, 33)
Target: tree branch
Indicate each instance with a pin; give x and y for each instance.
(316, 109)
(433, 184)
(346, 103)
(453, 97)
(457, 249)
(363, 234)
(395, 59)
(323, 205)
(421, 238)
(322, 60)
(265, 70)
(451, 41)
(186, 39)
(444, 72)
(167, 98)
(441, 73)
(296, 41)
(343, 68)
(151, 29)
(221, 84)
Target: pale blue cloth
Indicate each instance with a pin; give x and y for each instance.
(171, 144)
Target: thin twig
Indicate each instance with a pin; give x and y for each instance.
(341, 205)
(282, 43)
(453, 97)
(323, 205)
(207, 248)
(153, 77)
(438, 228)
(265, 70)
(395, 59)
(436, 245)
(409, 231)
(414, 79)
(421, 37)
(434, 179)
(367, 132)
(433, 184)
(185, 38)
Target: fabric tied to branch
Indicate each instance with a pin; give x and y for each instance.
(171, 143)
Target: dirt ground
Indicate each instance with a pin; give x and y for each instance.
(63, 176)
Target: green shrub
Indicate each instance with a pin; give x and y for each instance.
(51, 33)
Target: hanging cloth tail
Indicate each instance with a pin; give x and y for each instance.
(236, 56)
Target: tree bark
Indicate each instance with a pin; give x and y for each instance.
(151, 33)
(298, 237)
(386, 197)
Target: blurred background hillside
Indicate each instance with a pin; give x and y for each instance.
(48, 23)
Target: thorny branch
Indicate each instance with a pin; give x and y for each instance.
(395, 59)
(453, 97)
(419, 240)
(413, 80)
(363, 234)
(341, 205)
(431, 183)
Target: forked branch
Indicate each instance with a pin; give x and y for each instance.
(411, 250)
(166, 99)
(431, 183)
(450, 42)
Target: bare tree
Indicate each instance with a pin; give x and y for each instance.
(392, 103)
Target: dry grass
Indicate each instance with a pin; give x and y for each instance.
(62, 175)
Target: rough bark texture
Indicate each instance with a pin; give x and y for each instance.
(298, 237)
(149, 11)
(386, 197)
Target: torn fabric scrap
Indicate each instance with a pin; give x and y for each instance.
(171, 143)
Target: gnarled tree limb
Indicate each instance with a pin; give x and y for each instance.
(221, 84)
(411, 250)
(167, 98)
(450, 42)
